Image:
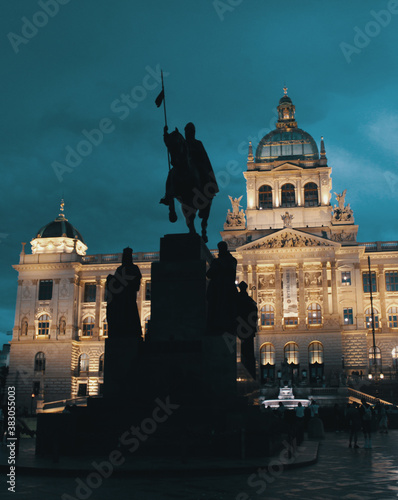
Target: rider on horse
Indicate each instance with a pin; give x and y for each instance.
(191, 180)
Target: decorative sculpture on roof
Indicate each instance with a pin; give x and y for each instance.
(342, 213)
(287, 219)
(235, 219)
(340, 197)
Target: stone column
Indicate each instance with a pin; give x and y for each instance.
(335, 308)
(254, 281)
(98, 301)
(278, 298)
(278, 200)
(54, 303)
(302, 308)
(359, 296)
(76, 306)
(325, 290)
(382, 294)
(245, 273)
(32, 331)
(300, 194)
(18, 315)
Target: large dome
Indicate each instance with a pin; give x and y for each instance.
(60, 227)
(285, 144)
(287, 141)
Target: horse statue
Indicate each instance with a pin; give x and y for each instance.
(191, 180)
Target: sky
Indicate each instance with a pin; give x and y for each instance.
(73, 69)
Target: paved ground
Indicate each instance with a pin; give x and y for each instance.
(340, 472)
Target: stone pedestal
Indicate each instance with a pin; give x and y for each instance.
(123, 358)
(188, 364)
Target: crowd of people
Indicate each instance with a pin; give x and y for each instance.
(356, 419)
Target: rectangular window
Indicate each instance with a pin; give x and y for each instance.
(148, 290)
(392, 281)
(346, 278)
(291, 321)
(366, 284)
(45, 289)
(90, 292)
(348, 316)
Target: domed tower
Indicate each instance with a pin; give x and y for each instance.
(58, 236)
(288, 181)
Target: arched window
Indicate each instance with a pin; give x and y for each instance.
(101, 363)
(291, 353)
(88, 325)
(84, 363)
(267, 354)
(267, 315)
(314, 314)
(105, 328)
(265, 197)
(40, 362)
(288, 196)
(372, 356)
(267, 362)
(24, 327)
(44, 325)
(311, 195)
(394, 354)
(393, 317)
(315, 352)
(368, 315)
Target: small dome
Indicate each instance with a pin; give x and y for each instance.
(60, 227)
(284, 99)
(285, 144)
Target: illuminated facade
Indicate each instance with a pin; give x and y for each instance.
(58, 345)
(307, 272)
(298, 254)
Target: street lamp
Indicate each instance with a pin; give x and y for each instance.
(31, 403)
(373, 320)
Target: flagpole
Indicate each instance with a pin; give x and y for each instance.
(164, 100)
(165, 115)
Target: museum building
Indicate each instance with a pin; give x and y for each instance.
(298, 254)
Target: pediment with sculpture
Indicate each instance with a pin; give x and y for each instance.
(289, 238)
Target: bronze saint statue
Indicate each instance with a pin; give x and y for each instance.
(191, 179)
(121, 296)
(246, 327)
(222, 292)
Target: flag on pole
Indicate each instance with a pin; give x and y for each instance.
(159, 99)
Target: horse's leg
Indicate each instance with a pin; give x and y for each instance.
(172, 211)
(189, 214)
(204, 215)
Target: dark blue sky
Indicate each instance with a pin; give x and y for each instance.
(227, 62)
